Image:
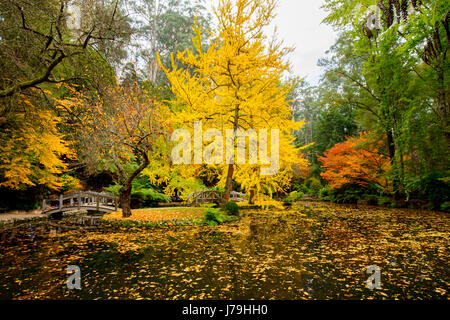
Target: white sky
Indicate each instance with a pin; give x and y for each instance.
(299, 25)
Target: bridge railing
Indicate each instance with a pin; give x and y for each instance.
(80, 199)
(205, 196)
(237, 196)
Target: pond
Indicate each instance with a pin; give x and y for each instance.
(310, 251)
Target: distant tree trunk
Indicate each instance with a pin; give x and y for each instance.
(154, 42)
(443, 106)
(125, 191)
(229, 183)
(251, 199)
(392, 151)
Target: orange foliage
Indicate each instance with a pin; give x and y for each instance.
(355, 161)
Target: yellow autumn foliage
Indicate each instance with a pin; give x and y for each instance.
(237, 83)
(33, 149)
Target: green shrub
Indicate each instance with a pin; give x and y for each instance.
(145, 198)
(220, 189)
(215, 216)
(299, 196)
(433, 187)
(114, 189)
(445, 206)
(232, 208)
(301, 188)
(307, 183)
(313, 186)
(292, 197)
(325, 193)
(295, 196)
(141, 197)
(349, 193)
(352, 193)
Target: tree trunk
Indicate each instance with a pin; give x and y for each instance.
(443, 106)
(392, 151)
(229, 183)
(125, 192)
(125, 201)
(251, 199)
(153, 35)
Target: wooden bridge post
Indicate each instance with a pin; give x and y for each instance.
(79, 200)
(44, 204)
(97, 198)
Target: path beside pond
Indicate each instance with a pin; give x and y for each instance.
(20, 215)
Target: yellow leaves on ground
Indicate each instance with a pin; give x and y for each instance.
(313, 250)
(159, 214)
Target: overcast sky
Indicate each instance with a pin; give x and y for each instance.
(299, 25)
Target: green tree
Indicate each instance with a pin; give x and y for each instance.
(398, 58)
(39, 52)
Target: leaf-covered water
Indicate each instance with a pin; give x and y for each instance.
(310, 251)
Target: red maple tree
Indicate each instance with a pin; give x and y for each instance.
(358, 160)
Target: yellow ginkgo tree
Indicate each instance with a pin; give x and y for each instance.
(236, 84)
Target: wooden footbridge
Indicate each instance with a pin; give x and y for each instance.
(211, 196)
(83, 200)
(103, 202)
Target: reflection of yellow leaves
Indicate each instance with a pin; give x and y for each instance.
(441, 291)
(285, 250)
